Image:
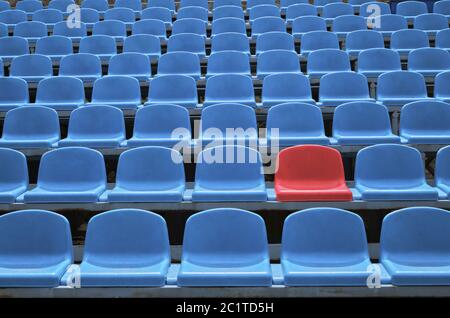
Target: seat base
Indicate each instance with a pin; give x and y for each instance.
(341, 193)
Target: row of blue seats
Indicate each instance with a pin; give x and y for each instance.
(386, 172)
(225, 247)
(395, 88)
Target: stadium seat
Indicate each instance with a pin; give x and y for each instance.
(345, 24)
(362, 123)
(254, 3)
(120, 91)
(125, 248)
(358, 41)
(316, 40)
(442, 7)
(31, 67)
(343, 87)
(372, 9)
(75, 34)
(310, 173)
(157, 13)
(143, 43)
(173, 89)
(84, 66)
(442, 39)
(13, 46)
(414, 246)
(135, 5)
(429, 61)
(404, 41)
(274, 41)
(267, 24)
(229, 173)
(291, 124)
(89, 17)
(431, 23)
(442, 87)
(29, 6)
(225, 247)
(61, 5)
(162, 125)
(228, 11)
(230, 42)
(113, 28)
(31, 30)
(277, 61)
(228, 124)
(13, 17)
(325, 247)
(442, 171)
(13, 173)
(425, 123)
(226, 25)
(13, 93)
(192, 3)
(411, 9)
(221, 3)
(263, 10)
(331, 11)
(169, 4)
(374, 62)
(181, 63)
(398, 88)
(60, 93)
(136, 65)
(324, 61)
(103, 46)
(4, 5)
(54, 46)
(228, 62)
(30, 127)
(193, 12)
(303, 25)
(192, 26)
(299, 10)
(126, 15)
(321, 3)
(286, 87)
(229, 88)
(391, 172)
(48, 16)
(193, 43)
(36, 248)
(389, 23)
(96, 126)
(99, 5)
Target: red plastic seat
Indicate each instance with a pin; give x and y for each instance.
(310, 173)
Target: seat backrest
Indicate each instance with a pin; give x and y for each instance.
(442, 85)
(129, 63)
(374, 8)
(127, 238)
(411, 8)
(442, 7)
(150, 26)
(14, 170)
(228, 11)
(3, 30)
(186, 42)
(401, 84)
(364, 39)
(278, 61)
(30, 29)
(80, 64)
(195, 12)
(230, 42)
(13, 91)
(142, 43)
(170, 88)
(430, 117)
(169, 4)
(60, 5)
(99, 5)
(442, 168)
(320, 237)
(268, 24)
(254, 3)
(54, 45)
(334, 10)
(431, 21)
(179, 63)
(275, 41)
(322, 3)
(316, 40)
(60, 89)
(13, 46)
(308, 23)
(13, 16)
(428, 59)
(193, 26)
(29, 6)
(4, 5)
(442, 39)
(89, 15)
(61, 28)
(379, 59)
(343, 84)
(135, 5)
(110, 27)
(286, 86)
(300, 10)
(229, 86)
(121, 14)
(225, 237)
(348, 23)
(98, 44)
(192, 3)
(328, 60)
(228, 62)
(264, 10)
(116, 88)
(409, 39)
(221, 3)
(391, 22)
(157, 13)
(48, 16)
(31, 65)
(224, 25)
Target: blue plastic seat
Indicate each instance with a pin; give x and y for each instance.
(316, 40)
(99, 5)
(374, 62)
(13, 17)
(29, 6)
(13, 46)
(325, 247)
(228, 11)
(284, 4)
(414, 246)
(404, 41)
(30, 127)
(13, 93)
(163, 125)
(322, 3)
(389, 23)
(194, 3)
(48, 16)
(392, 172)
(425, 123)
(157, 13)
(126, 15)
(136, 65)
(398, 88)
(225, 25)
(267, 24)
(103, 46)
(60, 93)
(442, 7)
(263, 10)
(277, 61)
(229, 88)
(343, 87)
(374, 9)
(194, 12)
(182, 63)
(192, 26)
(225, 247)
(274, 41)
(61, 5)
(362, 123)
(84, 66)
(322, 62)
(291, 124)
(13, 173)
(96, 126)
(173, 89)
(442, 171)
(72, 174)
(360, 40)
(31, 67)
(168, 4)
(149, 174)
(135, 5)
(286, 87)
(411, 9)
(120, 91)
(125, 248)
(89, 17)
(230, 42)
(221, 3)
(31, 30)
(429, 61)
(149, 45)
(331, 11)
(36, 249)
(75, 34)
(442, 86)
(442, 39)
(299, 10)
(254, 3)
(150, 26)
(228, 62)
(345, 24)
(3, 29)
(54, 46)
(303, 25)
(114, 28)
(187, 42)
(431, 23)
(4, 5)
(238, 118)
